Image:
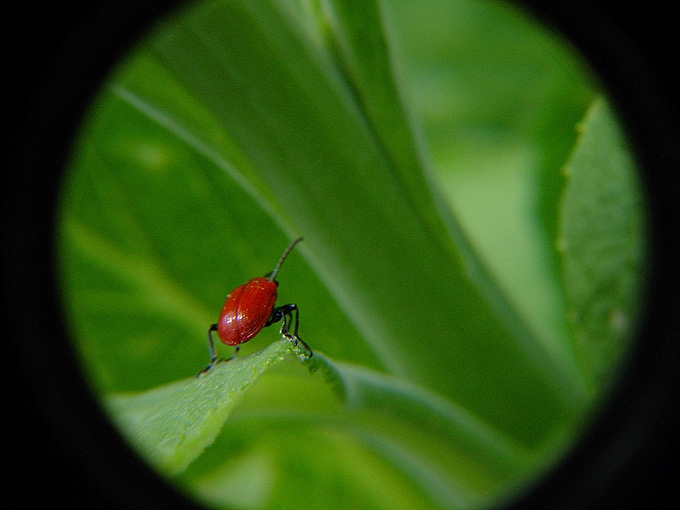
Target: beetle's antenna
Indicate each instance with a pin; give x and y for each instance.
(283, 257)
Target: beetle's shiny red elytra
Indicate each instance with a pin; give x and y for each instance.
(251, 307)
(246, 311)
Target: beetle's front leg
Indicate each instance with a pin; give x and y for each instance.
(286, 313)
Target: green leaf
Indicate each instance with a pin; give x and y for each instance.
(401, 430)
(498, 118)
(173, 424)
(602, 242)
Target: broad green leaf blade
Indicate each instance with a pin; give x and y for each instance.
(361, 41)
(367, 389)
(452, 458)
(602, 242)
(301, 129)
(173, 424)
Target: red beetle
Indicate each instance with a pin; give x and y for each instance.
(249, 308)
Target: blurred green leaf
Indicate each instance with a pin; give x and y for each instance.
(601, 242)
(498, 97)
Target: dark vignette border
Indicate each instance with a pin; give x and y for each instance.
(66, 452)
(629, 457)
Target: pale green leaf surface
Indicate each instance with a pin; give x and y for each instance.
(601, 241)
(173, 424)
(450, 457)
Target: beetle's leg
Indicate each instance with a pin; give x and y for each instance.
(286, 312)
(236, 349)
(283, 313)
(212, 353)
(211, 350)
(211, 345)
